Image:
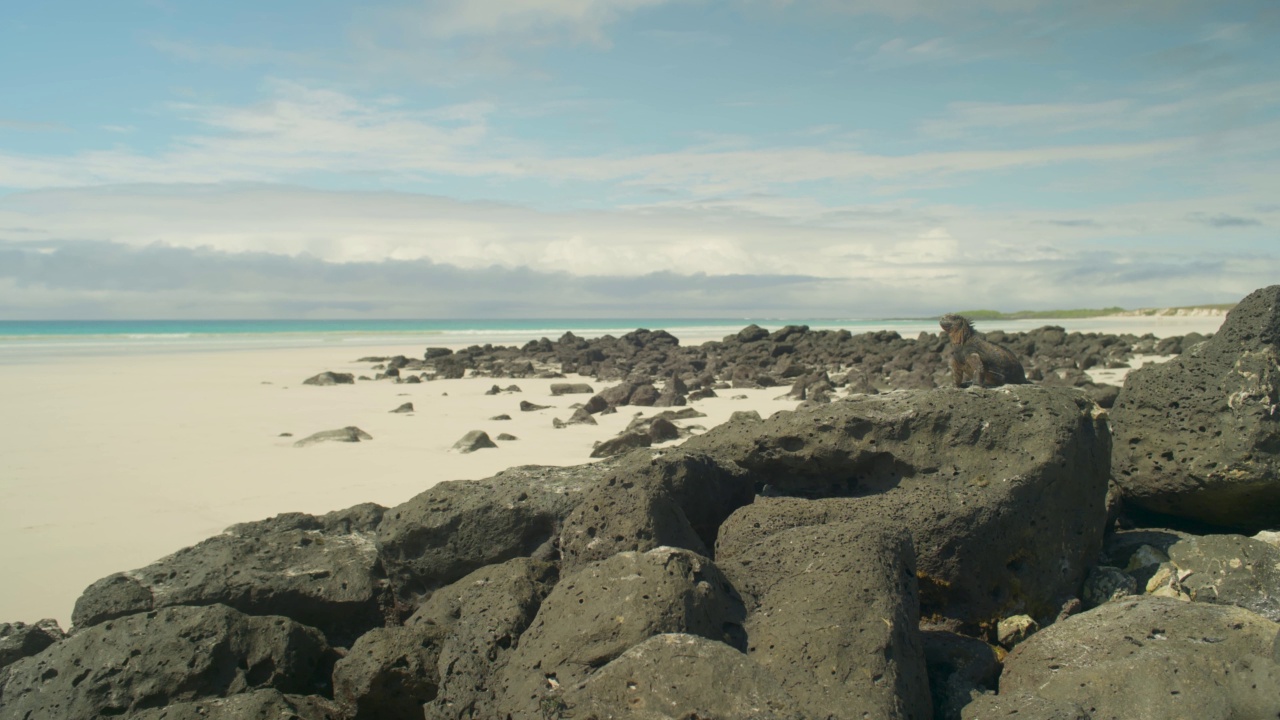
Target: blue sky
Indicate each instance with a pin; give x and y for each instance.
(852, 158)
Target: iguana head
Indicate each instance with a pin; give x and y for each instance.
(957, 327)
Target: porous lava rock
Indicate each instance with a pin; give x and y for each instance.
(170, 655)
(255, 705)
(1222, 569)
(349, 434)
(473, 441)
(388, 674)
(19, 640)
(833, 613)
(1198, 437)
(321, 571)
(593, 616)
(676, 675)
(479, 620)
(329, 377)
(457, 527)
(678, 499)
(1003, 491)
(958, 667)
(1143, 657)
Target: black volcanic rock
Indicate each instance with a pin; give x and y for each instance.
(688, 676)
(1198, 437)
(457, 527)
(478, 620)
(979, 478)
(329, 377)
(1142, 657)
(596, 614)
(801, 584)
(321, 571)
(349, 434)
(19, 640)
(253, 705)
(677, 500)
(473, 441)
(174, 654)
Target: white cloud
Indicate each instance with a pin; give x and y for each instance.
(300, 130)
(501, 17)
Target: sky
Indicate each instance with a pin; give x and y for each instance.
(634, 158)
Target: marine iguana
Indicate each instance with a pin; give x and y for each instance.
(975, 358)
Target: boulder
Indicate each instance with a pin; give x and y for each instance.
(644, 395)
(833, 613)
(594, 615)
(615, 396)
(579, 417)
(330, 378)
(958, 667)
(405, 408)
(253, 705)
(662, 430)
(505, 437)
(174, 654)
(621, 444)
(321, 571)
(1198, 437)
(1003, 491)
(350, 433)
(676, 675)
(474, 440)
(480, 619)
(1230, 570)
(19, 640)
(389, 673)
(571, 389)
(678, 500)
(526, 406)
(1143, 658)
(1223, 569)
(457, 527)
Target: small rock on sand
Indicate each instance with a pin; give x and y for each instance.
(474, 440)
(350, 433)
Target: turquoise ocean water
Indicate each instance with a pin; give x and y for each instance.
(26, 338)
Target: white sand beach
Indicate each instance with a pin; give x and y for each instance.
(110, 462)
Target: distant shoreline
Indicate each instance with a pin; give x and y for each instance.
(1090, 313)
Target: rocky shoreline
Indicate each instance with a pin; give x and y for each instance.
(895, 548)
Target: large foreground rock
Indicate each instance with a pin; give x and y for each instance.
(256, 705)
(834, 615)
(1220, 569)
(1199, 436)
(595, 615)
(1143, 658)
(457, 527)
(1003, 491)
(678, 499)
(679, 676)
(19, 640)
(321, 571)
(480, 619)
(170, 655)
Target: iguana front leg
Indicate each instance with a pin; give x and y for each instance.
(979, 370)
